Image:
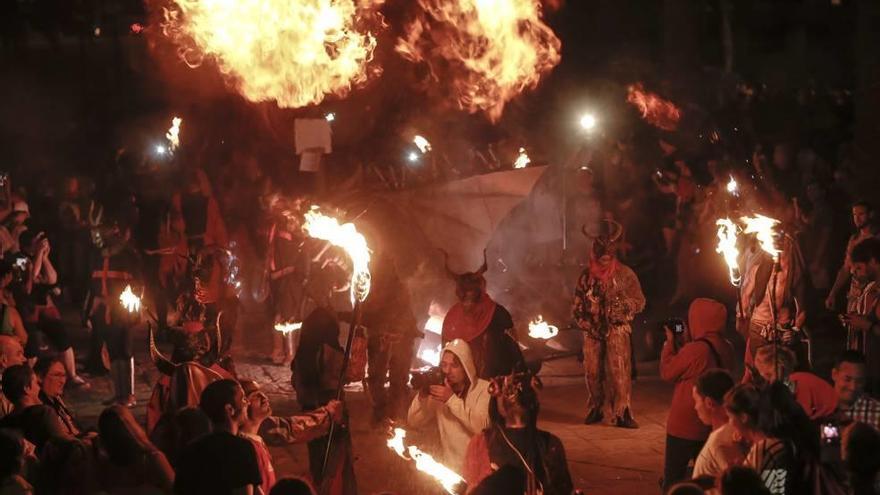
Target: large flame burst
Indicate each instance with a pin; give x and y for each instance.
(656, 111)
(293, 52)
(347, 237)
(494, 49)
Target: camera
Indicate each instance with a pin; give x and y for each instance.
(675, 324)
(424, 378)
(20, 266)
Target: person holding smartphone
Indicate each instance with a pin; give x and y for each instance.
(687, 354)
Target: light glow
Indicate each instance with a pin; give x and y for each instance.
(540, 329)
(449, 479)
(129, 300)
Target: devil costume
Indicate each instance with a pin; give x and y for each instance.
(607, 298)
(287, 273)
(538, 454)
(391, 331)
(114, 266)
(484, 324)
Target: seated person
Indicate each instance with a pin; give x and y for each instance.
(815, 395)
(52, 377)
(722, 449)
(35, 420)
(849, 377)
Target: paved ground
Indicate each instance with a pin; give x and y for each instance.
(602, 460)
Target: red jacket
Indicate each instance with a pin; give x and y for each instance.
(814, 394)
(706, 321)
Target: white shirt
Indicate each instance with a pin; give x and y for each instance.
(720, 451)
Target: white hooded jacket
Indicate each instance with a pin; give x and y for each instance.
(458, 419)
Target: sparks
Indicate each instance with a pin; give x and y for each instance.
(130, 302)
(173, 134)
(293, 53)
(330, 117)
(656, 111)
(347, 237)
(489, 51)
(540, 329)
(287, 327)
(522, 160)
(764, 229)
(449, 479)
(727, 239)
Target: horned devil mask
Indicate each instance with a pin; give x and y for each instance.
(608, 239)
(468, 283)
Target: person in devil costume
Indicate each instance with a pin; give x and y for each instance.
(483, 323)
(513, 439)
(115, 265)
(287, 268)
(607, 298)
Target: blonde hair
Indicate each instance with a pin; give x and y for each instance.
(770, 354)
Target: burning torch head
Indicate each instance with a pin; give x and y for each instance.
(605, 244)
(469, 286)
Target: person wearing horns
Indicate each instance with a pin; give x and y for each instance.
(607, 298)
(115, 265)
(483, 323)
(513, 439)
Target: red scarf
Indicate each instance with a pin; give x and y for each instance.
(459, 324)
(600, 272)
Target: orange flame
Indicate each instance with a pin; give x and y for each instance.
(287, 327)
(431, 356)
(129, 300)
(656, 111)
(295, 53)
(173, 134)
(495, 49)
(764, 229)
(727, 238)
(347, 237)
(450, 480)
(523, 160)
(540, 329)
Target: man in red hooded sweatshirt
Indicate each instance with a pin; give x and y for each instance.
(682, 363)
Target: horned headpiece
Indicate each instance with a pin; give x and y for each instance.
(518, 390)
(606, 241)
(469, 281)
(191, 343)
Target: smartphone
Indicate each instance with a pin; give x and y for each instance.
(830, 433)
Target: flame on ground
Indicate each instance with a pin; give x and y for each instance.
(129, 300)
(727, 239)
(764, 229)
(656, 111)
(449, 479)
(540, 329)
(493, 49)
(423, 144)
(522, 160)
(173, 134)
(295, 53)
(347, 237)
(286, 327)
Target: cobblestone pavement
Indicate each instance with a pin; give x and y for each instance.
(602, 460)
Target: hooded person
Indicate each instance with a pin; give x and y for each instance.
(704, 348)
(483, 323)
(459, 407)
(607, 298)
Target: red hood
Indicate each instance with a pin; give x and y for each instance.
(706, 316)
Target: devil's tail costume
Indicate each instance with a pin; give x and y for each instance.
(607, 298)
(481, 322)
